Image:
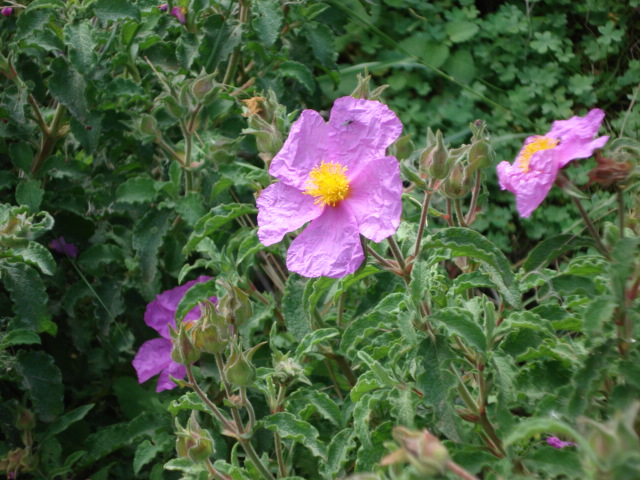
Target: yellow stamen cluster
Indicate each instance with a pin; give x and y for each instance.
(540, 143)
(327, 182)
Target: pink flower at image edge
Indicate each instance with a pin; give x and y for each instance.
(180, 13)
(154, 356)
(337, 176)
(60, 245)
(7, 11)
(536, 167)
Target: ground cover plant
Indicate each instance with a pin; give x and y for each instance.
(317, 240)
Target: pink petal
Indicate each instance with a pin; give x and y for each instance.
(152, 357)
(176, 371)
(283, 209)
(304, 149)
(360, 131)
(375, 198)
(329, 246)
(578, 148)
(578, 127)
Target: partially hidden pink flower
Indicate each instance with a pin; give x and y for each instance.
(180, 13)
(60, 245)
(163, 7)
(337, 176)
(7, 11)
(534, 170)
(154, 356)
(555, 442)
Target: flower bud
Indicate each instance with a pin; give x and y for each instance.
(26, 420)
(235, 306)
(434, 160)
(194, 442)
(211, 333)
(7, 11)
(458, 184)
(183, 351)
(239, 370)
(204, 88)
(423, 450)
(173, 107)
(148, 127)
(287, 370)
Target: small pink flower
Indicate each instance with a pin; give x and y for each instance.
(534, 170)
(61, 246)
(164, 7)
(180, 13)
(7, 11)
(154, 356)
(337, 176)
(555, 442)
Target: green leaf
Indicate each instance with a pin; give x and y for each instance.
(314, 291)
(188, 401)
(218, 217)
(146, 452)
(115, 10)
(460, 322)
(20, 336)
(79, 39)
(28, 296)
(36, 255)
(598, 314)
(65, 421)
(137, 190)
(298, 72)
(322, 42)
(548, 250)
(198, 292)
(94, 258)
(341, 445)
(382, 374)
(436, 381)
(295, 318)
(463, 242)
(505, 372)
(312, 339)
(268, 19)
(317, 401)
(42, 379)
(461, 31)
(21, 155)
(147, 240)
(104, 441)
(68, 87)
(304, 433)
(419, 285)
(220, 39)
(30, 194)
(191, 208)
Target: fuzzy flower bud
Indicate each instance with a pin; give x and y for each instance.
(239, 370)
(211, 333)
(7, 11)
(193, 442)
(235, 306)
(434, 160)
(458, 184)
(421, 449)
(184, 352)
(287, 370)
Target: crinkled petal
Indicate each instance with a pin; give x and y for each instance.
(360, 131)
(577, 127)
(153, 356)
(174, 370)
(578, 148)
(375, 198)
(161, 312)
(532, 187)
(304, 148)
(283, 209)
(329, 246)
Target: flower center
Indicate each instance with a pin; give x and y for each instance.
(539, 143)
(328, 183)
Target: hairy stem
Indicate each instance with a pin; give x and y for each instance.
(423, 223)
(591, 227)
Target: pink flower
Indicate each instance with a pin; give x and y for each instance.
(180, 13)
(61, 246)
(337, 176)
(154, 356)
(535, 168)
(7, 11)
(164, 7)
(555, 442)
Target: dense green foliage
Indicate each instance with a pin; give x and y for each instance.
(144, 142)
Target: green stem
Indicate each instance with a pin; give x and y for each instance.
(49, 138)
(383, 261)
(397, 253)
(235, 56)
(592, 229)
(458, 206)
(255, 459)
(453, 467)
(340, 309)
(215, 410)
(215, 473)
(423, 223)
(474, 199)
(621, 221)
(227, 389)
(282, 468)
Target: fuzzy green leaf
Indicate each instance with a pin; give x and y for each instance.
(68, 87)
(295, 317)
(137, 190)
(214, 220)
(312, 339)
(301, 432)
(549, 249)
(30, 194)
(267, 21)
(460, 322)
(463, 242)
(298, 72)
(115, 10)
(148, 236)
(41, 377)
(79, 39)
(338, 453)
(65, 421)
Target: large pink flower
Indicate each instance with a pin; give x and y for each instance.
(535, 168)
(337, 176)
(154, 356)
